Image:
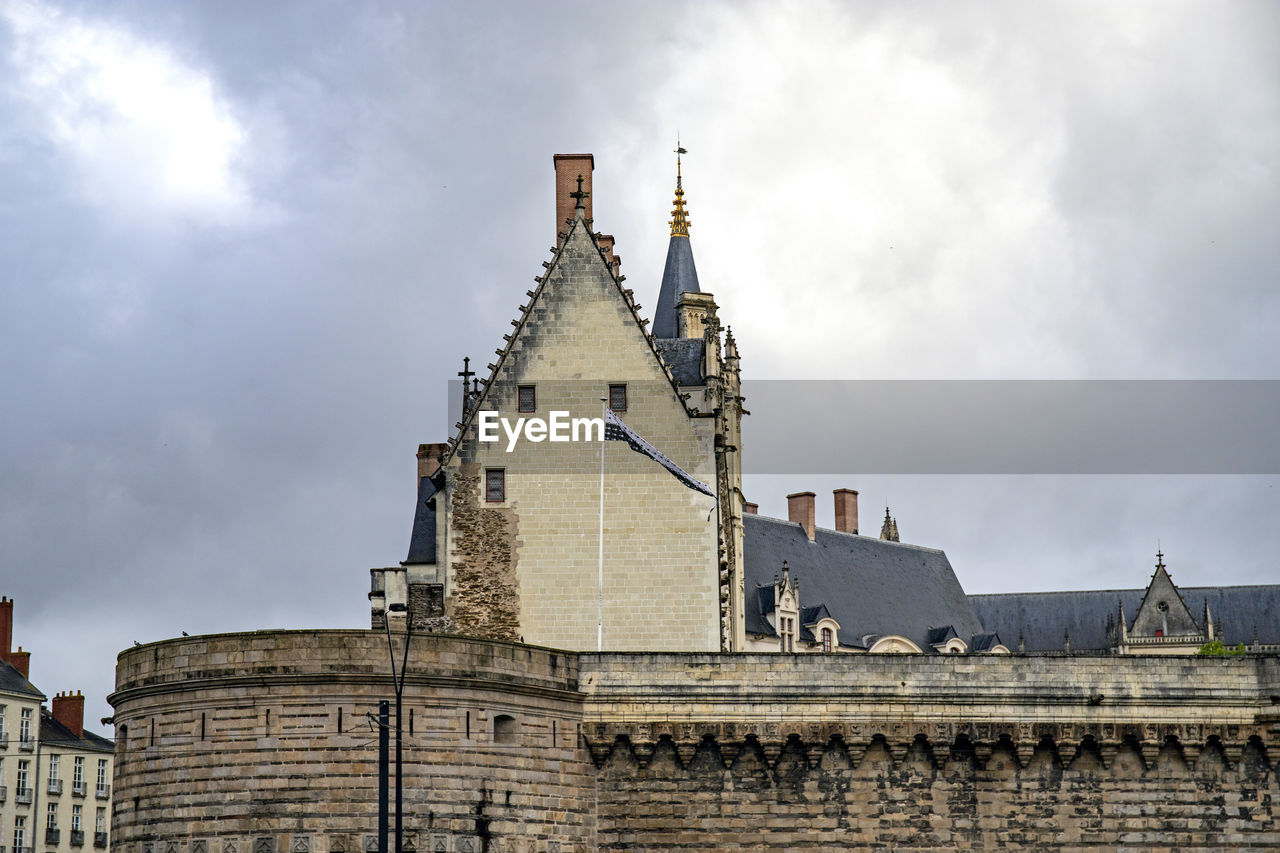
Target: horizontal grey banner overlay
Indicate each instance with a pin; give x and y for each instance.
(1012, 427)
(964, 426)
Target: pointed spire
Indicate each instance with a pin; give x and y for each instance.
(886, 529)
(680, 275)
(894, 530)
(730, 343)
(1208, 621)
(679, 219)
(1159, 558)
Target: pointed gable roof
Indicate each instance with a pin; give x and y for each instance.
(1162, 608)
(579, 244)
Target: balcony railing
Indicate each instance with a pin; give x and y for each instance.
(77, 838)
(77, 789)
(22, 797)
(52, 836)
(22, 850)
(55, 786)
(99, 841)
(27, 744)
(4, 740)
(104, 792)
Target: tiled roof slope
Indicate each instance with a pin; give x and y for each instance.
(422, 542)
(54, 733)
(678, 276)
(871, 587)
(1041, 617)
(684, 357)
(12, 681)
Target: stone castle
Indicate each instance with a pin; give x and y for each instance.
(601, 656)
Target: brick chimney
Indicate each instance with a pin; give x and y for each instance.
(751, 509)
(6, 627)
(607, 243)
(846, 510)
(68, 709)
(21, 661)
(568, 168)
(429, 456)
(800, 509)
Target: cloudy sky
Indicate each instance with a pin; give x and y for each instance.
(246, 244)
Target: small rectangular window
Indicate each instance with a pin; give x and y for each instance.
(618, 398)
(495, 485)
(526, 399)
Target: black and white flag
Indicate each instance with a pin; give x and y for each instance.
(616, 430)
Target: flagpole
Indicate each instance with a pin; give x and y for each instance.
(604, 412)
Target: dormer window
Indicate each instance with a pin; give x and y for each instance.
(827, 640)
(788, 634)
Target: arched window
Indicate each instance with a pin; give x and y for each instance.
(826, 639)
(505, 729)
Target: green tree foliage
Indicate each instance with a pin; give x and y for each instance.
(1217, 648)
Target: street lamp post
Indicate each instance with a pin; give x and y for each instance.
(397, 679)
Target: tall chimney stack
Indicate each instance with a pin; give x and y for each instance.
(800, 510)
(6, 627)
(751, 509)
(68, 709)
(568, 168)
(846, 510)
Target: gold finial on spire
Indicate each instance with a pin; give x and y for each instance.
(679, 219)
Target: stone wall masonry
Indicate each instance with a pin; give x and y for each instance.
(535, 555)
(484, 600)
(816, 752)
(262, 743)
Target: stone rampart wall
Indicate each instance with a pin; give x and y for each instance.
(810, 752)
(261, 743)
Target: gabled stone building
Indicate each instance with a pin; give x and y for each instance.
(508, 542)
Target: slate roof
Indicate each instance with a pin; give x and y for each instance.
(422, 541)
(1041, 617)
(11, 681)
(54, 733)
(679, 276)
(684, 357)
(868, 585)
